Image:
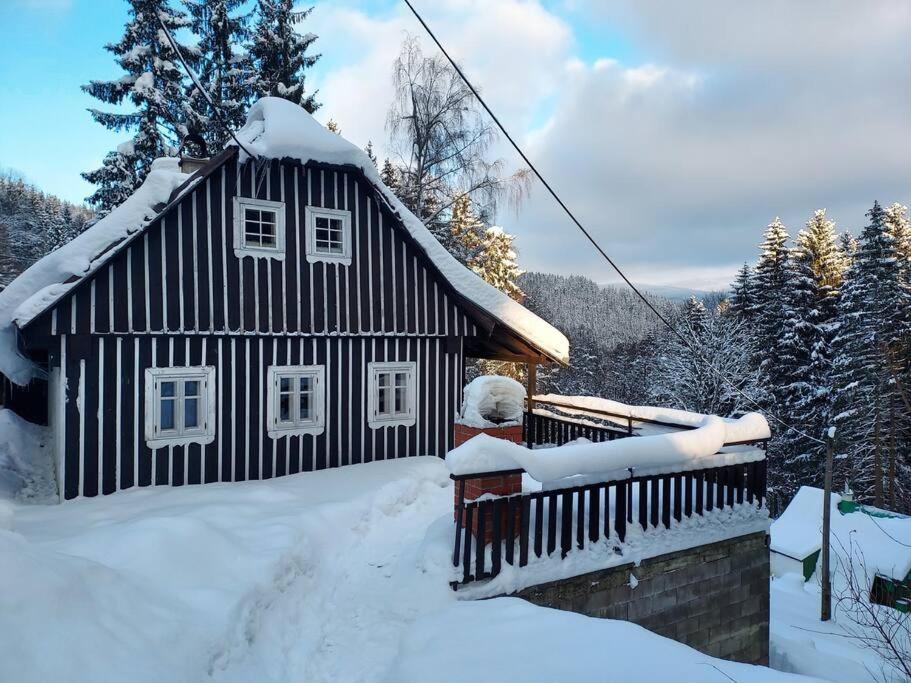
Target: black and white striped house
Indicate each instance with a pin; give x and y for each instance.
(272, 313)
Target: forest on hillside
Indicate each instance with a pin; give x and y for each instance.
(815, 334)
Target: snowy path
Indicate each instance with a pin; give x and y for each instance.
(329, 576)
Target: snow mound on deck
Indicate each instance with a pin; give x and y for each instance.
(749, 427)
(277, 128)
(673, 452)
(492, 394)
(54, 275)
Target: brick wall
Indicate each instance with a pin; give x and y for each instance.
(714, 598)
(462, 433)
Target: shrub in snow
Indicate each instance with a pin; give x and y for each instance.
(492, 401)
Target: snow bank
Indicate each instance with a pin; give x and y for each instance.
(798, 533)
(674, 452)
(337, 575)
(277, 128)
(749, 427)
(492, 394)
(26, 461)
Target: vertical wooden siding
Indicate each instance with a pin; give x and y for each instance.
(105, 413)
(182, 276)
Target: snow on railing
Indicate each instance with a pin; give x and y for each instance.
(590, 492)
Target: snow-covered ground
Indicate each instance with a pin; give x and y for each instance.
(338, 575)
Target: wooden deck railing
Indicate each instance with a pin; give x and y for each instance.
(512, 529)
(541, 429)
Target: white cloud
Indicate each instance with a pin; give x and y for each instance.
(739, 113)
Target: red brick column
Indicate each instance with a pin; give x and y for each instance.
(495, 484)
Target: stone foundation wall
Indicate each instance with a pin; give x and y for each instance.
(714, 597)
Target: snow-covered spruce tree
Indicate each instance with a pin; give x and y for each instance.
(278, 52)
(389, 174)
(804, 348)
(680, 378)
(899, 227)
(497, 262)
(466, 231)
(154, 85)
(771, 278)
(223, 70)
(743, 295)
(873, 318)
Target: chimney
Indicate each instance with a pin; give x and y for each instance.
(190, 165)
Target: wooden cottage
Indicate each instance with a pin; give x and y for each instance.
(276, 311)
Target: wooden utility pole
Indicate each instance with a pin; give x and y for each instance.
(826, 607)
(532, 381)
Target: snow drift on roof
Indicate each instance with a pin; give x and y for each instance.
(277, 128)
(55, 274)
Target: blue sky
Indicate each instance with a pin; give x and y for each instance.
(677, 131)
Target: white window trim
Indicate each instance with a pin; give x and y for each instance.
(276, 429)
(311, 214)
(204, 435)
(406, 420)
(240, 249)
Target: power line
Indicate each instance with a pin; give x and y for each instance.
(198, 85)
(594, 242)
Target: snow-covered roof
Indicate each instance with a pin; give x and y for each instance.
(277, 128)
(884, 542)
(54, 275)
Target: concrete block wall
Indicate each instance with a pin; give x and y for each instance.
(714, 597)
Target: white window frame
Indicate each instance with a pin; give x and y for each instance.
(314, 256)
(241, 248)
(407, 418)
(317, 424)
(205, 432)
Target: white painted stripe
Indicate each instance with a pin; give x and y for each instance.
(194, 227)
(405, 286)
(80, 406)
(202, 447)
(247, 426)
(99, 415)
(436, 395)
(60, 425)
(338, 415)
(110, 298)
(307, 229)
(54, 322)
(117, 418)
(298, 243)
(73, 314)
(281, 264)
(164, 279)
(137, 395)
(395, 289)
(300, 439)
(180, 271)
(363, 392)
(423, 390)
(92, 308)
(130, 289)
(269, 294)
(436, 309)
(381, 238)
(209, 254)
(347, 266)
(148, 295)
(370, 298)
(426, 303)
(224, 249)
(355, 238)
(417, 305)
(273, 444)
(234, 374)
(220, 421)
(152, 478)
(259, 410)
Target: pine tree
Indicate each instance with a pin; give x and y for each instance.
(873, 318)
(466, 231)
(771, 277)
(496, 262)
(743, 295)
(900, 229)
(222, 70)
(368, 150)
(390, 177)
(279, 53)
(155, 86)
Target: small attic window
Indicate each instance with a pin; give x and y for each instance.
(328, 235)
(259, 228)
